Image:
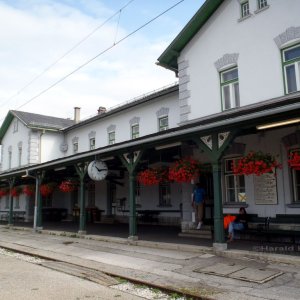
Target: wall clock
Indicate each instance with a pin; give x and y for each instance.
(97, 170)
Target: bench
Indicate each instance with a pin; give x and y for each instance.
(17, 215)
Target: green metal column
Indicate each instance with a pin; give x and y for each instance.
(11, 182)
(132, 206)
(39, 201)
(218, 208)
(81, 170)
(130, 161)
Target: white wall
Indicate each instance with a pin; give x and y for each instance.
(148, 123)
(50, 145)
(12, 139)
(259, 62)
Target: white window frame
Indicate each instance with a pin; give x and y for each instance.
(9, 159)
(245, 9)
(163, 127)
(296, 197)
(92, 143)
(111, 140)
(262, 4)
(75, 147)
(20, 156)
(135, 134)
(16, 125)
(293, 62)
(237, 188)
(234, 100)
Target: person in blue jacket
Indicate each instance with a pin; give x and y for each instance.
(198, 204)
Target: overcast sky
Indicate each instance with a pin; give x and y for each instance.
(36, 33)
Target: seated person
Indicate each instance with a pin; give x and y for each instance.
(240, 223)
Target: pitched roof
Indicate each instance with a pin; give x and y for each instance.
(168, 58)
(42, 121)
(34, 120)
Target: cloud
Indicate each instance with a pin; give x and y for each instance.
(36, 33)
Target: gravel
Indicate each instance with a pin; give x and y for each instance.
(20, 256)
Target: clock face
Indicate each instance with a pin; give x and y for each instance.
(97, 170)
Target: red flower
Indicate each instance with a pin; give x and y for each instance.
(153, 176)
(294, 161)
(68, 186)
(47, 189)
(184, 170)
(29, 190)
(257, 163)
(3, 192)
(16, 191)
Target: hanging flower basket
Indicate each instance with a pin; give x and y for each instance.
(153, 176)
(16, 191)
(294, 161)
(68, 186)
(4, 192)
(256, 163)
(47, 189)
(29, 190)
(184, 170)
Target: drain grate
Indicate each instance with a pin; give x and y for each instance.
(240, 272)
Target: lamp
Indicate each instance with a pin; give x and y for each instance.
(277, 124)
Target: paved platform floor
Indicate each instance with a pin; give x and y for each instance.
(164, 234)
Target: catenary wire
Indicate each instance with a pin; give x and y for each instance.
(118, 12)
(99, 54)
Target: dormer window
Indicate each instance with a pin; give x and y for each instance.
(245, 10)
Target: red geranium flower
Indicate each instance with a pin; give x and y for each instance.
(184, 170)
(294, 161)
(256, 163)
(29, 190)
(68, 186)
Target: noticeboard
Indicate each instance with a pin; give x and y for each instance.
(265, 189)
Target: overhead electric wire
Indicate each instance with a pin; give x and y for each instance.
(99, 54)
(68, 52)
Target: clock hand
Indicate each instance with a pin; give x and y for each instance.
(99, 170)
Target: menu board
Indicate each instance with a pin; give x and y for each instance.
(265, 189)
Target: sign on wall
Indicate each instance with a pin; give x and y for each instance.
(265, 189)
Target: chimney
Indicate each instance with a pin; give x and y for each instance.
(76, 114)
(101, 110)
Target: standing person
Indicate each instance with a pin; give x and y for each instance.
(198, 203)
(240, 223)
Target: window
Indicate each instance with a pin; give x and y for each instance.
(262, 4)
(75, 147)
(135, 131)
(245, 11)
(234, 184)
(164, 194)
(296, 182)
(291, 66)
(9, 159)
(230, 88)
(111, 138)
(163, 123)
(92, 143)
(17, 202)
(16, 125)
(7, 202)
(20, 156)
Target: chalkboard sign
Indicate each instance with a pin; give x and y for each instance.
(265, 189)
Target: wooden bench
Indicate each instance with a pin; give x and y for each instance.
(17, 215)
